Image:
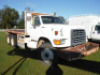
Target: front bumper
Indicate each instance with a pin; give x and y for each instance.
(77, 52)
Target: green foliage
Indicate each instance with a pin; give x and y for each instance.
(21, 22)
(1, 11)
(9, 17)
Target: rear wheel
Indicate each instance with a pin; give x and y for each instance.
(8, 38)
(14, 40)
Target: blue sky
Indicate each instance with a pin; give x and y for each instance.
(63, 8)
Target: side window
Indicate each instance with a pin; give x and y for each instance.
(36, 21)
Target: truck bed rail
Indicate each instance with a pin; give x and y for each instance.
(17, 31)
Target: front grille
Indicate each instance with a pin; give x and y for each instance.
(78, 37)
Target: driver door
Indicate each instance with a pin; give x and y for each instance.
(35, 30)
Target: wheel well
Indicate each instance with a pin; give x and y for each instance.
(47, 40)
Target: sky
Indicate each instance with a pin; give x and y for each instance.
(65, 8)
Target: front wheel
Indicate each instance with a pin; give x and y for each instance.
(47, 53)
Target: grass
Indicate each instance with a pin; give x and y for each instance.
(22, 62)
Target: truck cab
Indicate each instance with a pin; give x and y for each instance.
(95, 32)
(44, 28)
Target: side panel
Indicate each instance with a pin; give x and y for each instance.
(21, 40)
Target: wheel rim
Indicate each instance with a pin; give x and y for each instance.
(40, 43)
(47, 55)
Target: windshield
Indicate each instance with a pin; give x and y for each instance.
(97, 27)
(52, 19)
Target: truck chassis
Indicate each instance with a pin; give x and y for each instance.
(70, 53)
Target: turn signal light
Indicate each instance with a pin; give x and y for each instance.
(56, 32)
(57, 42)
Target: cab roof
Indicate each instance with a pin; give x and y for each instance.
(37, 14)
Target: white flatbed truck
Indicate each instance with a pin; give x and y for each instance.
(52, 34)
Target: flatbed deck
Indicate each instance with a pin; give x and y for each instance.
(22, 32)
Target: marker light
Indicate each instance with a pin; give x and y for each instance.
(57, 42)
(56, 32)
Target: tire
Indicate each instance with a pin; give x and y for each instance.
(14, 40)
(47, 54)
(9, 38)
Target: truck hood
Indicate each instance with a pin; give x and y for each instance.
(63, 26)
(64, 29)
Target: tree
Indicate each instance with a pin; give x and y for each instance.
(9, 17)
(21, 22)
(1, 11)
(0, 18)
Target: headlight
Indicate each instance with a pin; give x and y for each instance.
(59, 42)
(61, 32)
(62, 41)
